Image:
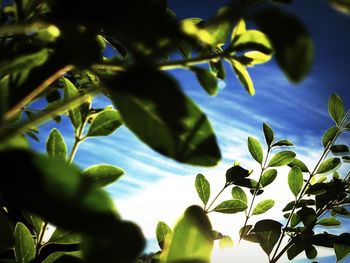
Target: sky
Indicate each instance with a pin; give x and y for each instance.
(156, 188)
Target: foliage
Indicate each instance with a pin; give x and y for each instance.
(51, 52)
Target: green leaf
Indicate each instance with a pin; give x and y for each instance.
(341, 211)
(283, 143)
(165, 119)
(282, 158)
(336, 108)
(311, 252)
(245, 230)
(105, 123)
(342, 246)
(293, 251)
(339, 148)
(231, 206)
(300, 164)
(192, 239)
(239, 194)
(295, 220)
(340, 5)
(207, 79)
(6, 230)
(307, 216)
(102, 175)
(268, 232)
(252, 58)
(329, 135)
(243, 76)
(55, 145)
(203, 188)
(330, 221)
(251, 40)
(62, 236)
(255, 149)
(163, 232)
(292, 43)
(239, 29)
(328, 165)
(269, 134)
(24, 244)
(249, 183)
(70, 93)
(35, 221)
(268, 177)
(66, 257)
(295, 180)
(263, 206)
(225, 242)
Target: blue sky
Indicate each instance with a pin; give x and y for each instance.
(156, 188)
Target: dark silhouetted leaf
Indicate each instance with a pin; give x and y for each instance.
(282, 158)
(311, 252)
(336, 108)
(236, 173)
(55, 145)
(163, 232)
(342, 246)
(207, 79)
(231, 206)
(255, 149)
(263, 206)
(295, 180)
(102, 174)
(268, 232)
(339, 148)
(203, 188)
(329, 135)
(105, 123)
(268, 177)
(6, 230)
(293, 251)
(307, 216)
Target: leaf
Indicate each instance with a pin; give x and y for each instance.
(225, 242)
(239, 194)
(243, 76)
(282, 158)
(249, 183)
(252, 58)
(245, 230)
(339, 148)
(336, 108)
(342, 246)
(239, 29)
(328, 165)
(283, 143)
(300, 164)
(163, 232)
(341, 211)
(295, 180)
(311, 252)
(251, 40)
(165, 119)
(203, 188)
(307, 216)
(329, 135)
(55, 145)
(268, 232)
(105, 123)
(192, 239)
(255, 149)
(340, 6)
(231, 206)
(292, 43)
(236, 173)
(263, 206)
(71, 92)
(293, 251)
(207, 79)
(24, 244)
(102, 175)
(66, 257)
(268, 177)
(35, 221)
(330, 221)
(268, 133)
(62, 236)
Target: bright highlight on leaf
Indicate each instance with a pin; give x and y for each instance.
(255, 149)
(55, 145)
(263, 207)
(336, 108)
(105, 123)
(203, 188)
(282, 158)
(231, 206)
(295, 180)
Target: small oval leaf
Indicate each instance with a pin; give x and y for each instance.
(24, 244)
(328, 165)
(268, 177)
(70, 93)
(105, 123)
(55, 145)
(329, 135)
(336, 108)
(163, 231)
(231, 206)
(102, 174)
(282, 158)
(269, 134)
(263, 206)
(207, 79)
(255, 149)
(238, 193)
(330, 221)
(203, 188)
(295, 180)
(283, 143)
(300, 164)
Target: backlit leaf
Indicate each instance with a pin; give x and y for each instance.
(282, 158)
(300, 164)
(283, 143)
(263, 206)
(243, 76)
(268, 232)
(238, 193)
(105, 123)
(295, 180)
(328, 165)
(102, 174)
(268, 177)
(231, 206)
(70, 93)
(62, 236)
(336, 108)
(225, 242)
(329, 221)
(269, 134)
(255, 149)
(329, 135)
(203, 188)
(163, 232)
(55, 145)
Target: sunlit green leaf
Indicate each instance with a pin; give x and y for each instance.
(329, 135)
(163, 232)
(66, 257)
(238, 193)
(263, 207)
(255, 149)
(203, 188)
(102, 174)
(231, 206)
(55, 145)
(243, 76)
(268, 177)
(71, 92)
(24, 244)
(329, 221)
(300, 164)
(336, 108)
(207, 79)
(328, 165)
(295, 180)
(342, 246)
(105, 123)
(62, 236)
(268, 133)
(283, 143)
(225, 242)
(282, 158)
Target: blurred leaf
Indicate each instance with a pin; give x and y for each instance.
(283, 143)
(263, 206)
(71, 92)
(24, 244)
(251, 40)
(255, 149)
(163, 232)
(311, 252)
(346, 159)
(295, 180)
(341, 211)
(268, 232)
(192, 239)
(203, 188)
(102, 175)
(252, 58)
(243, 76)
(239, 194)
(225, 242)
(239, 29)
(207, 79)
(300, 164)
(342, 246)
(339, 148)
(217, 68)
(62, 236)
(231, 206)
(268, 133)
(64, 257)
(329, 135)
(290, 40)
(6, 230)
(35, 221)
(336, 108)
(328, 165)
(341, 5)
(295, 220)
(55, 145)
(268, 177)
(105, 123)
(330, 221)
(165, 119)
(282, 158)
(15, 142)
